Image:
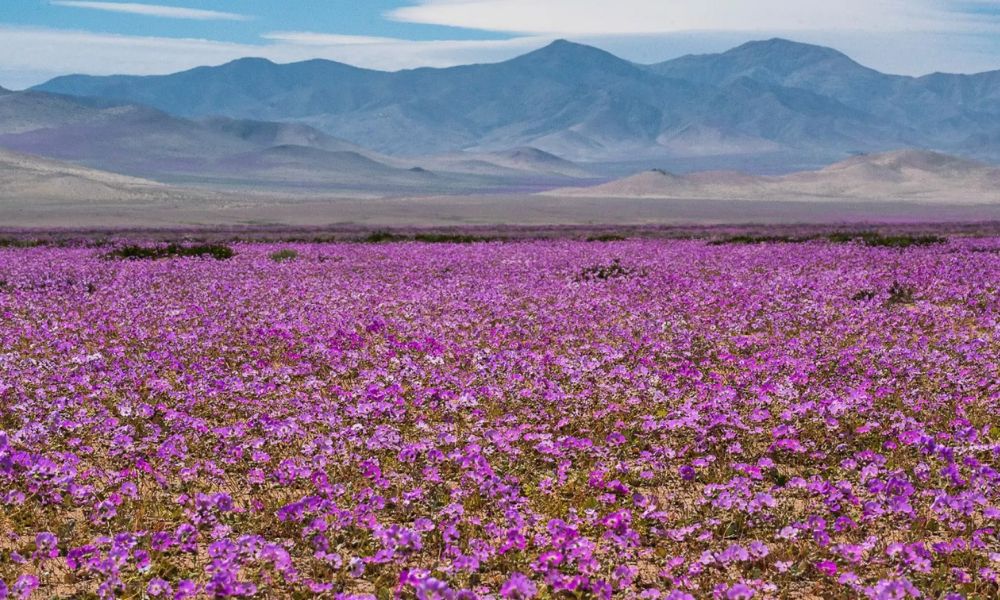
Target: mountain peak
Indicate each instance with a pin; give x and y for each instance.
(785, 45)
(780, 52)
(777, 61)
(569, 59)
(249, 63)
(251, 60)
(564, 45)
(563, 51)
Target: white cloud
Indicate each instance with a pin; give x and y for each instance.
(600, 17)
(394, 53)
(153, 10)
(312, 38)
(57, 51)
(29, 56)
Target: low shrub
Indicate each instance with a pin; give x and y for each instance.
(381, 237)
(285, 255)
(758, 239)
(900, 294)
(9, 242)
(451, 238)
(135, 252)
(877, 240)
(904, 241)
(614, 270)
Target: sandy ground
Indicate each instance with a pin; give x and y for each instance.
(252, 210)
(42, 193)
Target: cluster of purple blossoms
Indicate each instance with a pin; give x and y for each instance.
(479, 421)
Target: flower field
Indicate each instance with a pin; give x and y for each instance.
(539, 419)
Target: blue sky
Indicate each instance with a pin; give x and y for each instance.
(40, 39)
(256, 18)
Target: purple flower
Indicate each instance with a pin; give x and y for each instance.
(46, 545)
(104, 511)
(185, 589)
(827, 567)
(158, 587)
(25, 586)
(739, 591)
(518, 587)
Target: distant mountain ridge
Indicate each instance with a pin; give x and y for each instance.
(141, 141)
(584, 104)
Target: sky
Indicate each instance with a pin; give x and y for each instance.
(41, 39)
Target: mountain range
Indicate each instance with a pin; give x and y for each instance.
(799, 103)
(142, 141)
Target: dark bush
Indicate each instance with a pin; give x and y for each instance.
(607, 237)
(381, 237)
(9, 242)
(451, 238)
(905, 241)
(900, 294)
(285, 255)
(868, 238)
(842, 237)
(759, 239)
(877, 240)
(134, 252)
(614, 270)
(216, 251)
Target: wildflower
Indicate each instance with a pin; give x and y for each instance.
(827, 567)
(739, 591)
(518, 587)
(25, 586)
(157, 588)
(45, 545)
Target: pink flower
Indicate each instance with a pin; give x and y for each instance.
(827, 567)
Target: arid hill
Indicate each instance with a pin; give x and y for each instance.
(911, 175)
